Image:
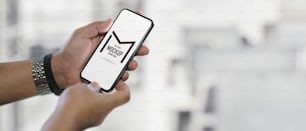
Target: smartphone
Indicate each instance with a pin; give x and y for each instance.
(116, 49)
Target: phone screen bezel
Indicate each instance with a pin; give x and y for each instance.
(131, 57)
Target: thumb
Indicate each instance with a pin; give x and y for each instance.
(121, 96)
(104, 26)
(96, 28)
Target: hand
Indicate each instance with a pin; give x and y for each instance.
(69, 61)
(81, 106)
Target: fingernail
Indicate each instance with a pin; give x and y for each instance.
(94, 87)
(95, 84)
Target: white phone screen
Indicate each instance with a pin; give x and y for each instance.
(116, 49)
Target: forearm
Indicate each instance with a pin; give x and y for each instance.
(16, 81)
(61, 120)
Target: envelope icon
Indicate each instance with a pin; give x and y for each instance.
(119, 43)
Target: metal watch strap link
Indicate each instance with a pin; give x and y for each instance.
(39, 77)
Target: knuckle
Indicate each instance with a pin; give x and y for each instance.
(126, 97)
(77, 32)
(75, 91)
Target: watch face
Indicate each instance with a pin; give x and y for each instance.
(117, 48)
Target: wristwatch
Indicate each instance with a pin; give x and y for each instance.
(43, 76)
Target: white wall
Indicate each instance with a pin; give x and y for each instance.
(3, 30)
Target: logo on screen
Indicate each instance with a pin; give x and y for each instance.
(116, 48)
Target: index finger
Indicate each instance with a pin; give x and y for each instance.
(139, 12)
(143, 50)
(120, 96)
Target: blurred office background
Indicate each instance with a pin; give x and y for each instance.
(215, 65)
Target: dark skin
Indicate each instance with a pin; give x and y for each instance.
(66, 64)
(81, 105)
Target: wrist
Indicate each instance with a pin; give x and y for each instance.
(62, 119)
(58, 71)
